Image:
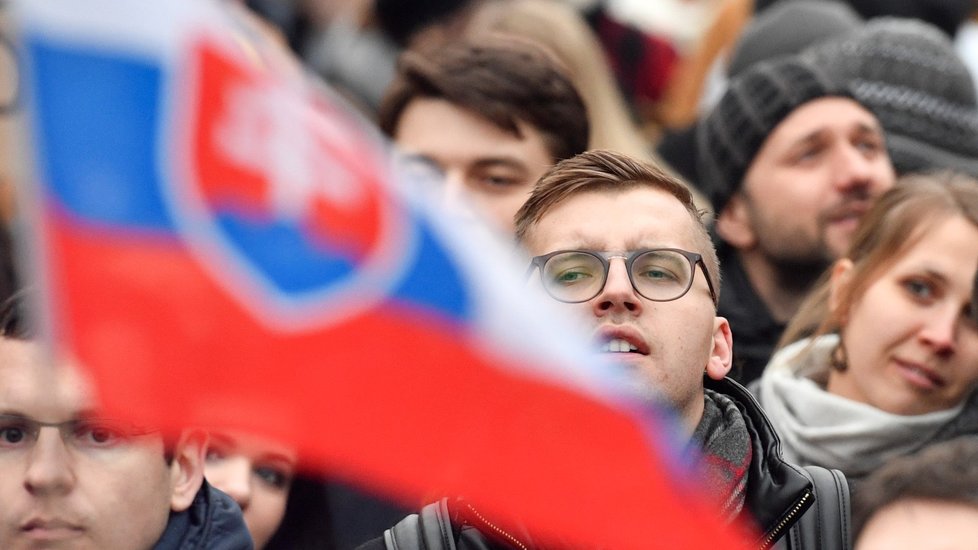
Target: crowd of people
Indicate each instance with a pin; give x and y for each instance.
(793, 270)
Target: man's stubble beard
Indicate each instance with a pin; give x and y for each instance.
(796, 262)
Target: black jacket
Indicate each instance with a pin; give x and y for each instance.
(212, 522)
(778, 496)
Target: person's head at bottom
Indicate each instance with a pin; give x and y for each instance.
(927, 500)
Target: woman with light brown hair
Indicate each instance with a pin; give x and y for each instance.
(882, 358)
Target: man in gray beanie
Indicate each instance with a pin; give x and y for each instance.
(790, 162)
(908, 73)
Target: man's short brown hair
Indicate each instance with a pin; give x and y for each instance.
(504, 83)
(608, 171)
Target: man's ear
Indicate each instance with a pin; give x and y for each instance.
(187, 469)
(840, 280)
(733, 223)
(721, 356)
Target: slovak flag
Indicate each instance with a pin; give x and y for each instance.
(222, 244)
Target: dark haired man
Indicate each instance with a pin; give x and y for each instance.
(490, 118)
(74, 479)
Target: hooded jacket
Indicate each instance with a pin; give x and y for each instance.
(212, 522)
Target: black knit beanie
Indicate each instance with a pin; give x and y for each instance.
(755, 102)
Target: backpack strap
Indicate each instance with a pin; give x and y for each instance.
(827, 524)
(431, 529)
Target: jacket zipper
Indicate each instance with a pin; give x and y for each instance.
(775, 533)
(495, 529)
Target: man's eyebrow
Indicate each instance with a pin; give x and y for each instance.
(88, 414)
(869, 128)
(508, 162)
(649, 243)
(814, 136)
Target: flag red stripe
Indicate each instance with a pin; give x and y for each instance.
(397, 399)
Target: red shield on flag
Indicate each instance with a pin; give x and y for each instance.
(283, 197)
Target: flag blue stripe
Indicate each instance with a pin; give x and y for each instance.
(434, 280)
(97, 115)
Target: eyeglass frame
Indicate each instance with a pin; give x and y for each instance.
(66, 429)
(694, 258)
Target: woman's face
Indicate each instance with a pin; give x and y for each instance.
(911, 343)
(257, 475)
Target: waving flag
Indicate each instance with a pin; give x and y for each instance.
(222, 245)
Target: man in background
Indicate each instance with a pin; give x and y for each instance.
(73, 478)
(487, 120)
(790, 162)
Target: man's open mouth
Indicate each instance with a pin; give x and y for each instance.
(618, 345)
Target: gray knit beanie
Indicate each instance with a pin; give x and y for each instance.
(755, 102)
(907, 72)
(789, 27)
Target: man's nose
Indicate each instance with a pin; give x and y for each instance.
(234, 478)
(50, 470)
(856, 170)
(452, 193)
(618, 293)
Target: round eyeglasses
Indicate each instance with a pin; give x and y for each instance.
(658, 274)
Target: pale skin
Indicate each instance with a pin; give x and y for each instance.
(676, 341)
(257, 474)
(486, 172)
(812, 180)
(60, 495)
(912, 346)
(917, 523)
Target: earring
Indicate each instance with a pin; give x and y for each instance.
(838, 359)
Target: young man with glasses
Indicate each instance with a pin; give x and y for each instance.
(624, 253)
(69, 478)
(621, 243)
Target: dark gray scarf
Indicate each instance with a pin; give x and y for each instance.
(723, 436)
